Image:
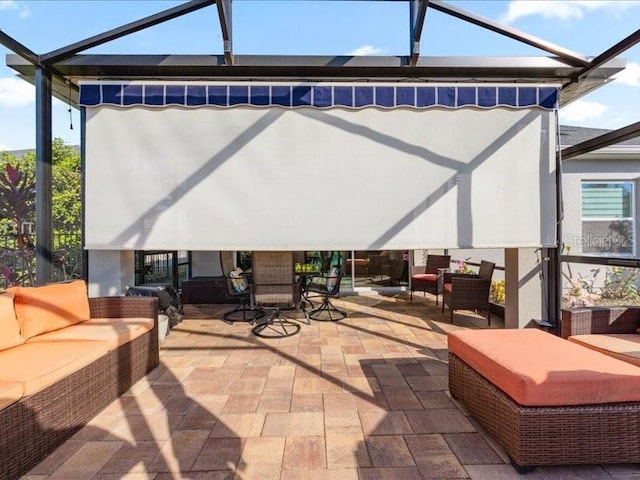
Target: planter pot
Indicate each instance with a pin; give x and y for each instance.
(163, 327)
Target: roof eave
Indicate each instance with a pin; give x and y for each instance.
(316, 68)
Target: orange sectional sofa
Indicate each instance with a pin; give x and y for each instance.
(63, 358)
(547, 400)
(613, 331)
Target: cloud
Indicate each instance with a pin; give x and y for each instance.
(15, 93)
(12, 5)
(580, 111)
(629, 76)
(25, 12)
(3, 148)
(562, 9)
(8, 5)
(366, 50)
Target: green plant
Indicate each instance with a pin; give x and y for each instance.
(17, 196)
(621, 284)
(497, 294)
(17, 202)
(581, 289)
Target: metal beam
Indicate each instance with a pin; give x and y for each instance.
(417, 12)
(83, 191)
(567, 56)
(211, 66)
(34, 59)
(69, 51)
(544, 69)
(612, 52)
(19, 49)
(602, 141)
(554, 263)
(601, 260)
(44, 162)
(224, 13)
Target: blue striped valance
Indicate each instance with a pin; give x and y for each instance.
(317, 95)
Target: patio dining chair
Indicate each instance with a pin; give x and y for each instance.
(237, 291)
(327, 286)
(426, 278)
(464, 291)
(275, 289)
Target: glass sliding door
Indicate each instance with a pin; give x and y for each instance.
(377, 269)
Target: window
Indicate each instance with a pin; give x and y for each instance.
(608, 225)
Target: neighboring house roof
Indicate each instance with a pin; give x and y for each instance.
(19, 153)
(24, 151)
(574, 135)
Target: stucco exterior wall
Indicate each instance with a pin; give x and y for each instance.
(595, 169)
(586, 279)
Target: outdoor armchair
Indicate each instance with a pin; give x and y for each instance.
(425, 277)
(463, 291)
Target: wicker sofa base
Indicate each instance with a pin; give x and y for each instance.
(37, 424)
(535, 436)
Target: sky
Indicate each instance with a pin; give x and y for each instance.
(320, 27)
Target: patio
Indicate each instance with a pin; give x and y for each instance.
(364, 398)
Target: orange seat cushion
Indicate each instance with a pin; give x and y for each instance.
(447, 287)
(536, 368)
(9, 326)
(10, 392)
(627, 344)
(40, 364)
(113, 331)
(425, 277)
(51, 307)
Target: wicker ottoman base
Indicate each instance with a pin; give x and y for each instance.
(533, 436)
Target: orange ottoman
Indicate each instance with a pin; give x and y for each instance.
(546, 400)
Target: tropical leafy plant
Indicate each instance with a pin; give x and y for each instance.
(17, 209)
(17, 197)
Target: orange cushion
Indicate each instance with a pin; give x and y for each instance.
(536, 368)
(10, 392)
(425, 277)
(627, 344)
(40, 364)
(447, 287)
(51, 307)
(9, 326)
(113, 331)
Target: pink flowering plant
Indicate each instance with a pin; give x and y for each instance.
(462, 266)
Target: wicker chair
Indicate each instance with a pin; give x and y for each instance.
(276, 289)
(327, 286)
(425, 277)
(463, 291)
(237, 291)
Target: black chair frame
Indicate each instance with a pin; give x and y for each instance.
(243, 311)
(326, 311)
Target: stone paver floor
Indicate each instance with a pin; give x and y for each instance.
(364, 398)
